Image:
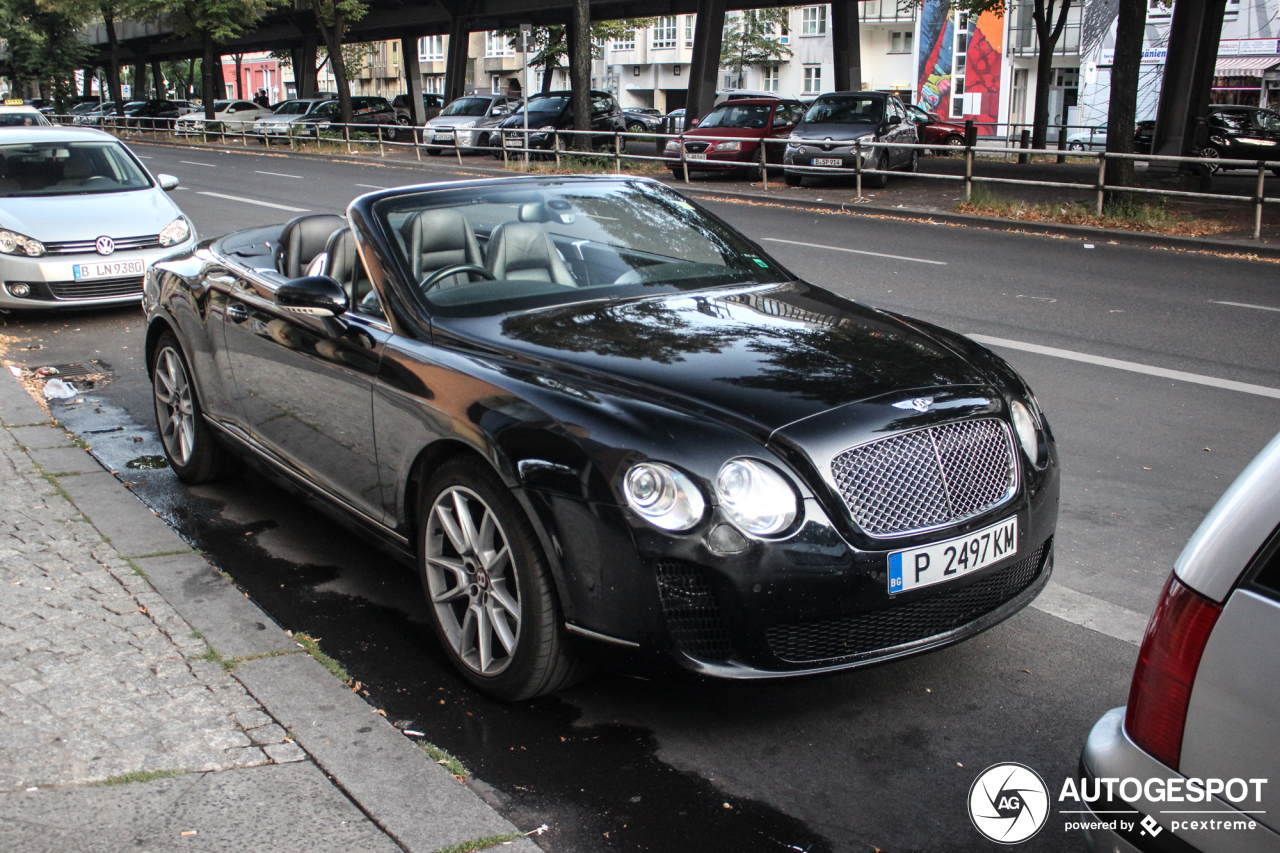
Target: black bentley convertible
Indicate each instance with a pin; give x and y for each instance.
(607, 427)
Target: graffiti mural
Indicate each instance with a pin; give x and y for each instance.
(939, 88)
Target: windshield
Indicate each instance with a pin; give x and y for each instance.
(552, 243)
(738, 115)
(845, 111)
(293, 108)
(68, 168)
(467, 107)
(548, 104)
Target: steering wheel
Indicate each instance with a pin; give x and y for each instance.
(453, 269)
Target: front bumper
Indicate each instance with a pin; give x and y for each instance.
(805, 605)
(1110, 754)
(51, 280)
(804, 155)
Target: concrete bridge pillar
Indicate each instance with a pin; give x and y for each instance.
(413, 76)
(1188, 77)
(704, 65)
(846, 42)
(455, 66)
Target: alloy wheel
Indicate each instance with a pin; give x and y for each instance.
(174, 409)
(1211, 153)
(472, 581)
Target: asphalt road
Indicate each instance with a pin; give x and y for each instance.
(875, 759)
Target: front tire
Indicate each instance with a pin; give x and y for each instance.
(193, 452)
(1075, 146)
(488, 586)
(793, 179)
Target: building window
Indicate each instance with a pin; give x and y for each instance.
(496, 81)
(435, 84)
(496, 44)
(957, 97)
(901, 42)
(785, 36)
(627, 42)
(813, 21)
(664, 33)
(771, 78)
(431, 48)
(688, 30)
(812, 79)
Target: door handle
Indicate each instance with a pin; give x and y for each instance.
(237, 313)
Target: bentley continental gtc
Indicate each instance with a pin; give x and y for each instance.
(608, 428)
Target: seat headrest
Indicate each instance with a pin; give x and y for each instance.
(523, 250)
(302, 239)
(341, 253)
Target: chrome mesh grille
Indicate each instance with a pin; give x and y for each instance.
(927, 478)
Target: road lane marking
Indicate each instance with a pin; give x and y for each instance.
(277, 174)
(1092, 613)
(1245, 305)
(855, 251)
(255, 201)
(194, 163)
(143, 157)
(1133, 366)
(371, 186)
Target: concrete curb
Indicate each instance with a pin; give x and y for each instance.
(411, 798)
(1121, 237)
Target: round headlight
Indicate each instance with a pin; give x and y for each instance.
(663, 496)
(755, 497)
(1025, 426)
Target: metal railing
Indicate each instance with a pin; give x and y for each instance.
(531, 144)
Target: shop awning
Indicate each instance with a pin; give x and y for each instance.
(1245, 66)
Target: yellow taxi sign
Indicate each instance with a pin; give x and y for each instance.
(13, 102)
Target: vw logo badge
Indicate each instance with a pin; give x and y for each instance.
(105, 245)
(1008, 803)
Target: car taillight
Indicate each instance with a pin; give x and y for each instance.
(1166, 670)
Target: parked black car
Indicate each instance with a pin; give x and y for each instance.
(364, 110)
(833, 124)
(554, 111)
(1244, 133)
(643, 120)
(604, 425)
(1143, 135)
(152, 114)
(431, 106)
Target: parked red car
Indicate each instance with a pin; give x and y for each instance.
(934, 129)
(745, 122)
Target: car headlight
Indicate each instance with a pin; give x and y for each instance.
(471, 123)
(175, 232)
(727, 146)
(1027, 426)
(663, 496)
(755, 497)
(672, 145)
(12, 243)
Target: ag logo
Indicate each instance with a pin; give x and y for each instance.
(1008, 803)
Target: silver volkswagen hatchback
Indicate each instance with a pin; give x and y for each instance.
(81, 219)
(1193, 762)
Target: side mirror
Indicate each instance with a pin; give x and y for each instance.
(695, 122)
(167, 182)
(895, 119)
(315, 296)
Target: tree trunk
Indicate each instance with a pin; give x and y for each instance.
(238, 58)
(580, 71)
(1125, 72)
(208, 62)
(113, 66)
(190, 83)
(548, 73)
(1047, 34)
(333, 43)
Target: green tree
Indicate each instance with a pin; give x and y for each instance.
(214, 21)
(334, 18)
(751, 38)
(44, 45)
(550, 45)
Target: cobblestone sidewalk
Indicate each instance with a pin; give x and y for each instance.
(99, 676)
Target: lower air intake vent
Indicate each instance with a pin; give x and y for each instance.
(832, 639)
(692, 611)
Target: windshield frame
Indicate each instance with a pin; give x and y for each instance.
(373, 209)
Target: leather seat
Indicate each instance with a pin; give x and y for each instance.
(302, 239)
(343, 265)
(435, 239)
(523, 250)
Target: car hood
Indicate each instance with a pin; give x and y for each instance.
(127, 214)
(275, 119)
(763, 358)
(729, 132)
(452, 121)
(837, 132)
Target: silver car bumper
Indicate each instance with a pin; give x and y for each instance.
(1110, 754)
(51, 280)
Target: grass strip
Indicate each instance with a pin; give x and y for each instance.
(473, 844)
